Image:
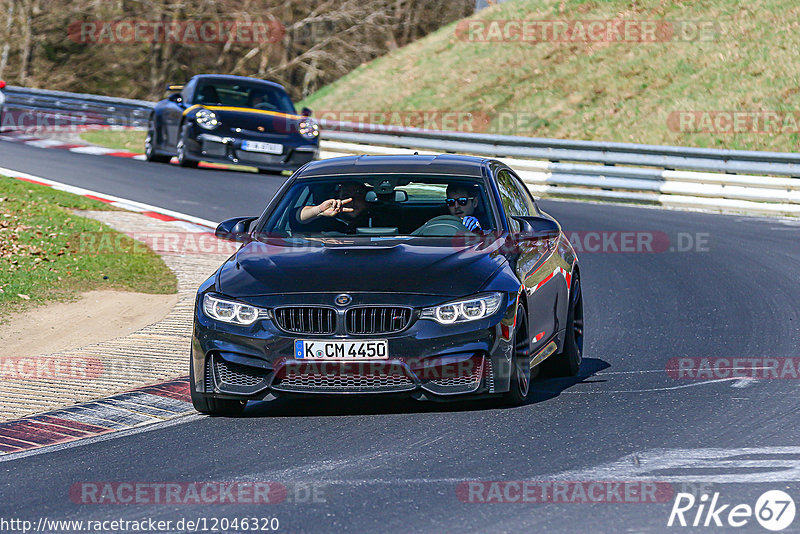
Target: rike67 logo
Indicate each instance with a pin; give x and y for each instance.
(774, 510)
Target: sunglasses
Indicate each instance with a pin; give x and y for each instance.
(461, 201)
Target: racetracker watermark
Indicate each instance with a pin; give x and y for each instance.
(399, 120)
(165, 243)
(337, 365)
(50, 368)
(78, 368)
(176, 31)
(735, 122)
(722, 368)
(172, 493)
(41, 121)
(182, 243)
(587, 31)
(637, 242)
(566, 492)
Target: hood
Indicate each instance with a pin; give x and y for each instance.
(409, 266)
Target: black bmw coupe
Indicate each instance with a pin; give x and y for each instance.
(231, 120)
(432, 277)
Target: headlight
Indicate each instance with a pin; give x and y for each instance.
(308, 129)
(206, 119)
(461, 311)
(229, 311)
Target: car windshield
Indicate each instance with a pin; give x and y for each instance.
(382, 206)
(243, 95)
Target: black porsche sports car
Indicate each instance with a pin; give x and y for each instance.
(434, 277)
(231, 119)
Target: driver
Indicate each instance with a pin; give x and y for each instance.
(462, 201)
(256, 98)
(344, 213)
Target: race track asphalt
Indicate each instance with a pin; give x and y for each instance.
(388, 466)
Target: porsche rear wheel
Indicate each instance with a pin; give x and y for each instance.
(149, 145)
(568, 361)
(520, 365)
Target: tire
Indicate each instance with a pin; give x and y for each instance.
(520, 384)
(183, 159)
(568, 361)
(212, 406)
(149, 145)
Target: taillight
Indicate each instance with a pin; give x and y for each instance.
(2, 84)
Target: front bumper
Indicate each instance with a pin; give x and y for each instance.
(226, 149)
(426, 360)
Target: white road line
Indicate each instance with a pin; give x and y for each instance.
(95, 150)
(45, 143)
(735, 465)
(190, 226)
(125, 206)
(81, 191)
(651, 390)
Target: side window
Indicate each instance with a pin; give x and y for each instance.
(186, 94)
(526, 196)
(512, 199)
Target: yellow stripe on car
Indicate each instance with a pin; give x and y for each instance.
(243, 110)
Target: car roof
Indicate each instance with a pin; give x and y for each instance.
(402, 164)
(232, 78)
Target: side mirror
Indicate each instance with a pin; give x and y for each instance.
(175, 97)
(305, 112)
(534, 228)
(235, 229)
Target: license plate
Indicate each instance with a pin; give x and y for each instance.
(341, 350)
(260, 146)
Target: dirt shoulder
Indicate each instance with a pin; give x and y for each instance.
(96, 317)
(109, 342)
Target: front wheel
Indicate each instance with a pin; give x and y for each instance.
(520, 363)
(568, 361)
(183, 158)
(212, 406)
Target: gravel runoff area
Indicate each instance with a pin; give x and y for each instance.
(157, 352)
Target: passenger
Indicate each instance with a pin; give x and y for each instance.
(343, 214)
(462, 201)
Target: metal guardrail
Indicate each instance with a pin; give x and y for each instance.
(665, 157)
(32, 107)
(704, 178)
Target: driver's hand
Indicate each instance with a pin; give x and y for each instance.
(471, 223)
(333, 207)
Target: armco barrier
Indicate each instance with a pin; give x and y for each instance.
(70, 109)
(700, 178)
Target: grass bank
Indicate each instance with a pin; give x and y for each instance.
(741, 57)
(128, 140)
(42, 258)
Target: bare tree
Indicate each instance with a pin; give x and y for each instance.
(321, 40)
